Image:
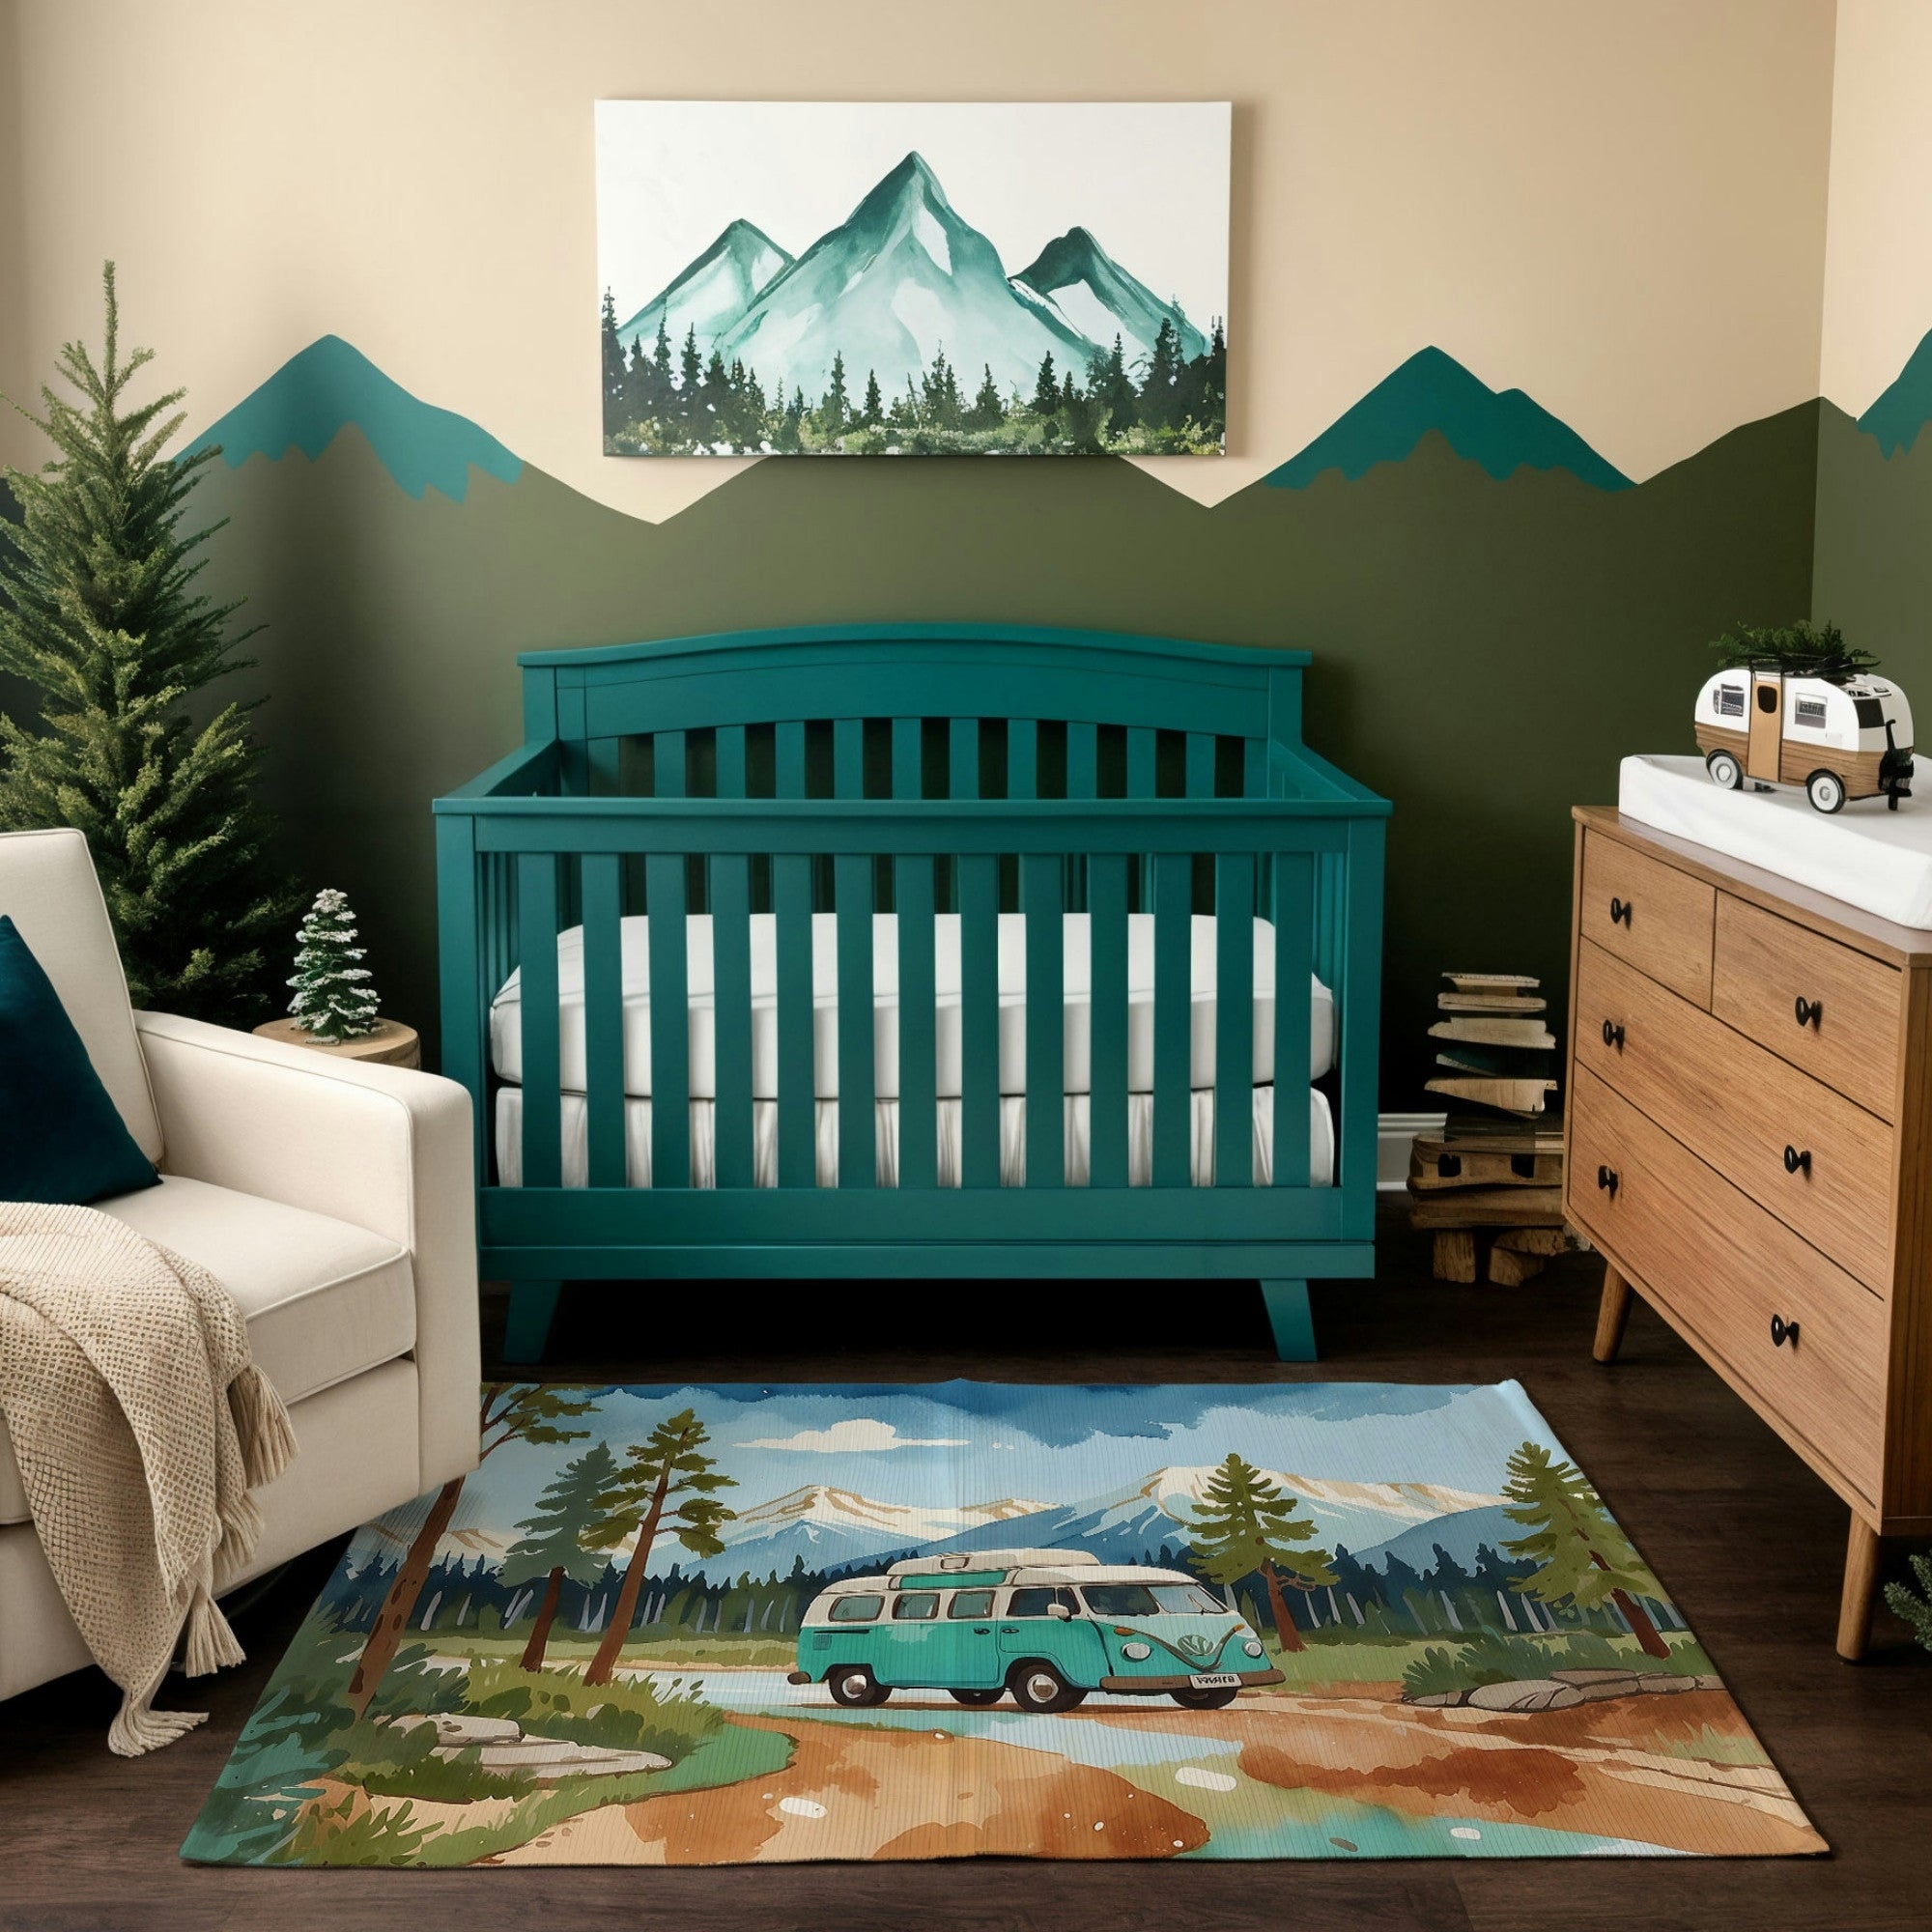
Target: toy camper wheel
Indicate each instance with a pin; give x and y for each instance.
(1036, 1686)
(973, 1699)
(1726, 770)
(1826, 790)
(1204, 1700)
(856, 1688)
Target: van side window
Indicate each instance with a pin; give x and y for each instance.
(970, 1604)
(855, 1609)
(1730, 700)
(1035, 1603)
(916, 1606)
(1809, 711)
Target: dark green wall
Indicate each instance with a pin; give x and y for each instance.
(1485, 651)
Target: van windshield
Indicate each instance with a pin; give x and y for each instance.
(1151, 1600)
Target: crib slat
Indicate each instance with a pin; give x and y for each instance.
(1234, 1019)
(791, 907)
(536, 938)
(979, 1021)
(1173, 1017)
(1023, 758)
(964, 756)
(604, 1019)
(732, 762)
(858, 1084)
(1046, 1021)
(1200, 766)
(1293, 947)
(1083, 760)
(731, 1021)
(905, 757)
(788, 749)
(668, 764)
(1140, 761)
(848, 757)
(670, 1021)
(918, 1106)
(1107, 1100)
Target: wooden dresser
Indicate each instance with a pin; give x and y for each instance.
(1748, 1144)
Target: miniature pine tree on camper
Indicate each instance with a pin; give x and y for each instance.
(335, 997)
(552, 1544)
(1793, 650)
(1243, 1523)
(100, 612)
(1581, 1556)
(666, 1480)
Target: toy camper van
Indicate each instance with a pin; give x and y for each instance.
(1839, 738)
(1045, 1627)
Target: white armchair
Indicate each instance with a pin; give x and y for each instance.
(334, 1200)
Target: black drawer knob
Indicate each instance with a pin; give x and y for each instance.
(1620, 913)
(1782, 1331)
(1797, 1160)
(1809, 1010)
(1613, 1035)
(1607, 1179)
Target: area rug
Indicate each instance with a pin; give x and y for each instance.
(720, 1625)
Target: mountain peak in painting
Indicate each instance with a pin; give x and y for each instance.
(711, 291)
(1097, 299)
(1504, 430)
(318, 393)
(1904, 406)
(901, 278)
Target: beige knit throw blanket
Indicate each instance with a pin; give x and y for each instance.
(140, 1425)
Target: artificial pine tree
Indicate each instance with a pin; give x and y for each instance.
(1913, 1609)
(335, 998)
(99, 610)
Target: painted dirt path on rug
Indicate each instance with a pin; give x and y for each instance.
(1283, 1776)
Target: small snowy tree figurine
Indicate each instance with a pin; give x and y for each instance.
(335, 1000)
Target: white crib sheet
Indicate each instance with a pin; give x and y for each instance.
(506, 1047)
(1012, 1141)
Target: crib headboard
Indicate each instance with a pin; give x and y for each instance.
(932, 710)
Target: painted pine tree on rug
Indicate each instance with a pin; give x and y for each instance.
(1245, 1524)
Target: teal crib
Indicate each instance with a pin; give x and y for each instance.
(730, 815)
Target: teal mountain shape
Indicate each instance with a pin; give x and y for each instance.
(712, 291)
(314, 395)
(1504, 430)
(1098, 299)
(1905, 406)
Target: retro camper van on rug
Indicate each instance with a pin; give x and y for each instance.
(1838, 738)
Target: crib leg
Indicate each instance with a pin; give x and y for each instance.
(1290, 1317)
(532, 1303)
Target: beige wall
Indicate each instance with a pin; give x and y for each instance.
(1618, 209)
(1878, 250)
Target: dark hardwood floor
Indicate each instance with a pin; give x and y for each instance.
(1748, 1542)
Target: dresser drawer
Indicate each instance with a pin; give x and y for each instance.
(1743, 1111)
(1717, 1263)
(1765, 965)
(1648, 912)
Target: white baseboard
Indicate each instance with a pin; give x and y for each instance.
(1393, 1134)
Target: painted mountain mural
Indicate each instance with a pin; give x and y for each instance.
(900, 332)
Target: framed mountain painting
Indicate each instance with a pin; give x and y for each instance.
(860, 279)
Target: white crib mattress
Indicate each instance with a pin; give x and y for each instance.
(506, 1047)
(1012, 1141)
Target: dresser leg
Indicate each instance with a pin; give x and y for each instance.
(1613, 1312)
(1855, 1606)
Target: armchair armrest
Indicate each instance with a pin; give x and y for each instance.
(379, 1147)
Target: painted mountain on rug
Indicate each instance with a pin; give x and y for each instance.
(827, 1527)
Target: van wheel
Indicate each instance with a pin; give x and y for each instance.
(1192, 1699)
(1724, 770)
(1039, 1687)
(856, 1688)
(973, 1699)
(1826, 790)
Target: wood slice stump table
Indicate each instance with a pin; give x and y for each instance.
(391, 1044)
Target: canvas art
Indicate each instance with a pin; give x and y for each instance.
(730, 1624)
(939, 279)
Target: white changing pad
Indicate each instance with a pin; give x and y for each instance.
(506, 1046)
(1876, 860)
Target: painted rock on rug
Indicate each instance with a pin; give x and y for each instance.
(501, 1745)
(1527, 1693)
(455, 1729)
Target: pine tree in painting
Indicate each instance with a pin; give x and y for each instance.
(664, 1482)
(1581, 1556)
(335, 997)
(988, 412)
(835, 407)
(553, 1543)
(615, 368)
(98, 611)
(1243, 1523)
(1045, 388)
(874, 407)
(1112, 389)
(516, 1413)
(1157, 393)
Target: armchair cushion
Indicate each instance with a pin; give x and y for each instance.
(323, 1300)
(61, 1138)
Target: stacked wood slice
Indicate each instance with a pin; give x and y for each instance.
(1490, 1186)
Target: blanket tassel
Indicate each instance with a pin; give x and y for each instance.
(261, 1422)
(211, 1641)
